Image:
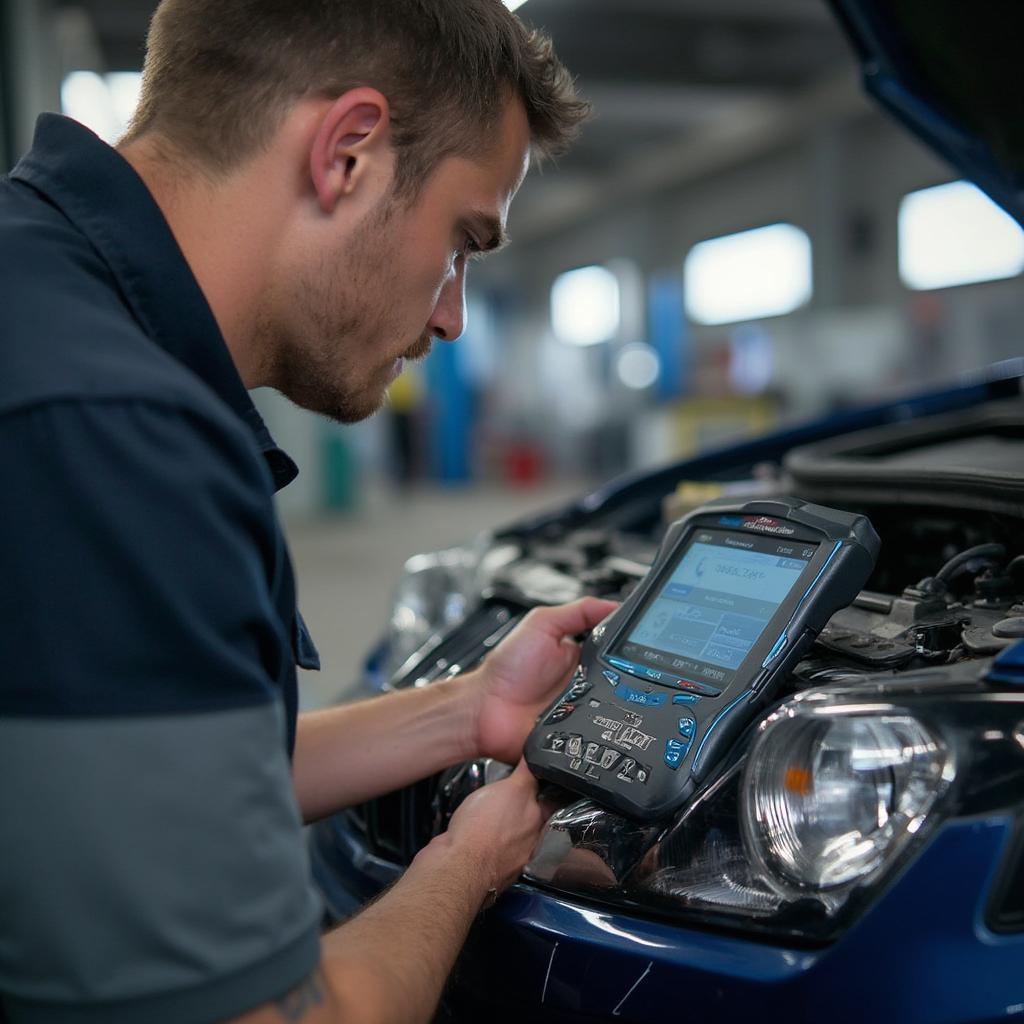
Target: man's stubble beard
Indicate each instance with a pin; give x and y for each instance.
(332, 363)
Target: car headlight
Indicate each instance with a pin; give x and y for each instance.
(436, 593)
(830, 794)
(837, 790)
(432, 596)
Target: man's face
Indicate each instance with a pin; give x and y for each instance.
(341, 327)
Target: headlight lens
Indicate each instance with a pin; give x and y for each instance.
(796, 836)
(432, 596)
(436, 592)
(830, 794)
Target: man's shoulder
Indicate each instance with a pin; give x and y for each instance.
(67, 332)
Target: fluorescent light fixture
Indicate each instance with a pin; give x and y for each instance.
(954, 234)
(104, 103)
(513, 4)
(749, 275)
(585, 306)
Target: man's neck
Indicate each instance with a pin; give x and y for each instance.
(225, 229)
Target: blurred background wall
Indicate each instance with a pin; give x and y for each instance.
(617, 331)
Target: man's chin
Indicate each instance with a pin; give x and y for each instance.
(353, 413)
(342, 408)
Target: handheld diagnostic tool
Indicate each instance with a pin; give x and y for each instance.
(735, 597)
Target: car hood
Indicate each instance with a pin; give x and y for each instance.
(950, 71)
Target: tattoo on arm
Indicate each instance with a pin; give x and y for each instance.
(310, 993)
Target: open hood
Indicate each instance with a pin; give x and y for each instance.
(951, 71)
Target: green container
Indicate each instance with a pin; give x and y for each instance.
(340, 476)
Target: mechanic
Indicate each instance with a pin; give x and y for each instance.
(293, 206)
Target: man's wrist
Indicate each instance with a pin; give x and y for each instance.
(467, 695)
(471, 865)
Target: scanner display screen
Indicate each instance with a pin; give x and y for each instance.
(714, 604)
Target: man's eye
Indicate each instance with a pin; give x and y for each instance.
(469, 248)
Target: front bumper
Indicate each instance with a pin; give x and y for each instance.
(921, 954)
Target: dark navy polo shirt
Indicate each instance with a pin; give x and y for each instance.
(153, 866)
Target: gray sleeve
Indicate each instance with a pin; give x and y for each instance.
(153, 868)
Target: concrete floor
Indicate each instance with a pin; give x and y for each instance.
(347, 567)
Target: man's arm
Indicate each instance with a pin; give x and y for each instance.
(352, 753)
(389, 963)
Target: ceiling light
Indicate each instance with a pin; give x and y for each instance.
(954, 234)
(749, 275)
(638, 366)
(585, 306)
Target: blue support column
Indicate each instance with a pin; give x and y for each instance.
(451, 415)
(670, 336)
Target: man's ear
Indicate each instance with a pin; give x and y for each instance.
(354, 134)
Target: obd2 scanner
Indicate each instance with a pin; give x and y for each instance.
(735, 597)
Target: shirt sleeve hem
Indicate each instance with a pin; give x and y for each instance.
(215, 1001)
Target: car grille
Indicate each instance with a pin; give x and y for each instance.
(397, 825)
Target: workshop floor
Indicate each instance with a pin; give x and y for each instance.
(347, 566)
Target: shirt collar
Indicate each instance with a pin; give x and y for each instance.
(101, 194)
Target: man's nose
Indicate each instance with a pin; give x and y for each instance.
(449, 315)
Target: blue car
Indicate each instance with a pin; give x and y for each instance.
(859, 852)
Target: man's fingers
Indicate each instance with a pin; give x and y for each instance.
(577, 617)
(521, 774)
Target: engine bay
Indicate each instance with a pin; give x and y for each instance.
(947, 589)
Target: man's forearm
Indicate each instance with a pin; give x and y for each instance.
(355, 752)
(390, 962)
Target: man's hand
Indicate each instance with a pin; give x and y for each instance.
(388, 962)
(498, 826)
(526, 671)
